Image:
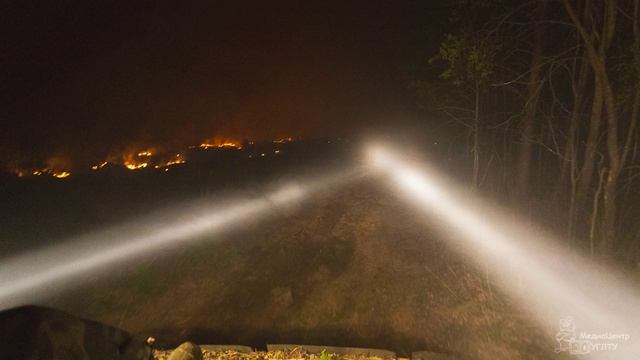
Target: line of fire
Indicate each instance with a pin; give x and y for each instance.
(152, 158)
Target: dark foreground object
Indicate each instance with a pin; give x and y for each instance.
(33, 332)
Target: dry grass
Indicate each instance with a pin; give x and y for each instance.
(293, 354)
(353, 269)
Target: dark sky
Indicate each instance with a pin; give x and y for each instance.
(89, 78)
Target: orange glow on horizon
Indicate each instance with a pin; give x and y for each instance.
(136, 159)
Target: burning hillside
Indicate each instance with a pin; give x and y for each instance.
(219, 142)
(145, 157)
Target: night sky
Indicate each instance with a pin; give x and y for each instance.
(86, 79)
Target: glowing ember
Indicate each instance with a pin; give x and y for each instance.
(219, 142)
(283, 140)
(178, 159)
(174, 162)
(228, 144)
(145, 153)
(61, 174)
(135, 166)
(170, 163)
(99, 166)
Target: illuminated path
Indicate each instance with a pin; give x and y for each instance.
(35, 275)
(550, 283)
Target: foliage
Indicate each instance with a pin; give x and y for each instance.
(324, 355)
(468, 58)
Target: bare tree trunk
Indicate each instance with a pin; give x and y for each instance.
(617, 160)
(607, 240)
(476, 138)
(613, 146)
(585, 178)
(570, 153)
(594, 213)
(611, 186)
(534, 86)
(597, 58)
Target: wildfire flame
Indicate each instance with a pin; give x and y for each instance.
(140, 159)
(219, 142)
(61, 174)
(99, 166)
(137, 160)
(228, 144)
(283, 140)
(177, 160)
(135, 166)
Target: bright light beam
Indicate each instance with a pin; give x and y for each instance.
(30, 277)
(549, 282)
